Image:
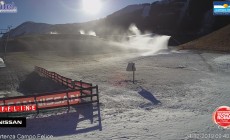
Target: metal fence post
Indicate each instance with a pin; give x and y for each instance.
(133, 76)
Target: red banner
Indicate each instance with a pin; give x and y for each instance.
(58, 100)
(21, 100)
(47, 101)
(21, 108)
(73, 95)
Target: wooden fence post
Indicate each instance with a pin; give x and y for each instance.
(81, 83)
(67, 95)
(4, 101)
(81, 91)
(91, 92)
(73, 84)
(97, 94)
(61, 81)
(35, 100)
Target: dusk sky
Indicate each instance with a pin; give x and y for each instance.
(62, 11)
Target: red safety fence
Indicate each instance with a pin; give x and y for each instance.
(79, 93)
(72, 84)
(53, 100)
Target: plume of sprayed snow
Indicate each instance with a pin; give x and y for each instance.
(2, 63)
(146, 44)
(1, 60)
(82, 32)
(53, 33)
(92, 33)
(133, 28)
(149, 45)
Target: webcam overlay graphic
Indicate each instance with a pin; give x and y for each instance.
(221, 116)
(7, 7)
(221, 8)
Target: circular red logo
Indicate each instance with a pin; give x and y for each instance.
(221, 116)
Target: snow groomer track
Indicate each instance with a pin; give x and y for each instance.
(77, 93)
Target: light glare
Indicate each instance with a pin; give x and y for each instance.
(92, 6)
